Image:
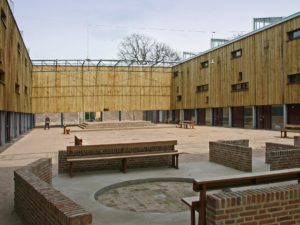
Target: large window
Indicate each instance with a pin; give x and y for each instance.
(294, 79)
(240, 87)
(202, 88)
(295, 34)
(236, 54)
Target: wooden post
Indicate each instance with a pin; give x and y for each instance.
(202, 213)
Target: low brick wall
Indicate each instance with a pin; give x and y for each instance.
(241, 142)
(234, 154)
(63, 165)
(277, 205)
(38, 203)
(297, 140)
(285, 159)
(272, 147)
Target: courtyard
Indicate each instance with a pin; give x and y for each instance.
(82, 188)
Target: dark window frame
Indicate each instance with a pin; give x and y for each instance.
(240, 87)
(19, 48)
(2, 76)
(179, 98)
(240, 76)
(294, 78)
(17, 88)
(204, 64)
(202, 88)
(292, 33)
(3, 17)
(234, 54)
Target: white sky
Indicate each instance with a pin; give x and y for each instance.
(59, 29)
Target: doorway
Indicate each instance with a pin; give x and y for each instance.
(264, 117)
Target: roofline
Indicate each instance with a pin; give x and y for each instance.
(242, 37)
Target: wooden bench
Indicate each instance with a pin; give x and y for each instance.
(78, 141)
(186, 124)
(289, 128)
(73, 157)
(204, 185)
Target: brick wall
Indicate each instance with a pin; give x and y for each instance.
(277, 205)
(297, 140)
(38, 203)
(271, 147)
(63, 165)
(285, 159)
(241, 142)
(235, 156)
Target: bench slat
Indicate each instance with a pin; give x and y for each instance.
(89, 158)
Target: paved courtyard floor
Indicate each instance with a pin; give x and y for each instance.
(82, 188)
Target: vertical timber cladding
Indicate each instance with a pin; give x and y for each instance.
(268, 57)
(15, 65)
(94, 89)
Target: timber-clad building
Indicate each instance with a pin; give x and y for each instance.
(250, 82)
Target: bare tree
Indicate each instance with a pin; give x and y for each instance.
(141, 48)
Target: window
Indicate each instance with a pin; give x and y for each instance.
(240, 76)
(17, 88)
(1, 55)
(188, 71)
(236, 54)
(206, 99)
(295, 34)
(26, 62)
(294, 78)
(204, 64)
(175, 73)
(202, 88)
(26, 90)
(2, 76)
(179, 98)
(240, 87)
(3, 17)
(177, 89)
(19, 48)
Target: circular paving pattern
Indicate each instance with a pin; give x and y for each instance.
(159, 195)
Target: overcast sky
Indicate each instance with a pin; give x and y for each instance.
(59, 29)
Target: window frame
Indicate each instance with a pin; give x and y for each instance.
(17, 88)
(204, 64)
(295, 76)
(243, 87)
(234, 53)
(202, 88)
(290, 34)
(2, 76)
(3, 17)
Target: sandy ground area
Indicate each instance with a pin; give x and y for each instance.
(46, 143)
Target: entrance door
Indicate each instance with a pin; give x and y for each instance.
(218, 117)
(237, 117)
(293, 113)
(201, 116)
(264, 117)
(188, 114)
